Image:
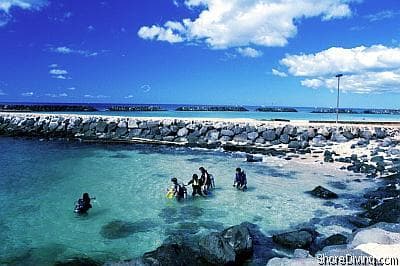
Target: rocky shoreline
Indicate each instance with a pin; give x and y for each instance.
(358, 148)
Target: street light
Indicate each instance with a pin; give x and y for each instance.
(337, 103)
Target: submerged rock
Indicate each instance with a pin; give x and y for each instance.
(333, 240)
(121, 229)
(78, 262)
(323, 193)
(388, 211)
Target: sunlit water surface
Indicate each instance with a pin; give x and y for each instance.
(40, 181)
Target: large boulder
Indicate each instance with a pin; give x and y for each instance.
(173, 254)
(183, 132)
(323, 193)
(269, 135)
(217, 250)
(295, 239)
(388, 211)
(252, 135)
(333, 240)
(227, 132)
(284, 138)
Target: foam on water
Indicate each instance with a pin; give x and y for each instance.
(40, 181)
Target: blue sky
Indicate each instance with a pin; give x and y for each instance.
(250, 52)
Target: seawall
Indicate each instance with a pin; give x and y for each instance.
(192, 132)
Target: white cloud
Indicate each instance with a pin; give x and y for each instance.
(53, 66)
(58, 72)
(90, 28)
(71, 88)
(95, 96)
(54, 95)
(278, 73)
(374, 69)
(249, 52)
(2, 93)
(159, 34)
(146, 88)
(337, 59)
(235, 23)
(6, 6)
(129, 96)
(27, 94)
(384, 14)
(67, 50)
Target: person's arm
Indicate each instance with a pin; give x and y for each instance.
(190, 182)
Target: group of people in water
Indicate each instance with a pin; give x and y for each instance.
(204, 184)
(201, 186)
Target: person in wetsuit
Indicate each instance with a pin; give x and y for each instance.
(240, 181)
(83, 204)
(196, 185)
(205, 179)
(179, 190)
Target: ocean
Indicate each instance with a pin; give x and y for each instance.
(41, 180)
(304, 113)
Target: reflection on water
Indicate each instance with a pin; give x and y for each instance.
(40, 181)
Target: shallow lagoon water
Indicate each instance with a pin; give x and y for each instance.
(40, 182)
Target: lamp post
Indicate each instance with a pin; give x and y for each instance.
(337, 103)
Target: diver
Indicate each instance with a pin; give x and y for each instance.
(83, 204)
(196, 185)
(205, 180)
(179, 191)
(240, 181)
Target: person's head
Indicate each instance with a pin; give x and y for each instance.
(195, 177)
(238, 170)
(86, 196)
(174, 180)
(202, 170)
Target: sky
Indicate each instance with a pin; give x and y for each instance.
(238, 52)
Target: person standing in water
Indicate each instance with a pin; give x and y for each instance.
(205, 179)
(83, 204)
(178, 190)
(240, 181)
(196, 185)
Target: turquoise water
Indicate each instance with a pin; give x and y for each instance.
(40, 181)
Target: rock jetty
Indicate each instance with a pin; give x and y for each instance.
(46, 108)
(203, 108)
(276, 109)
(146, 108)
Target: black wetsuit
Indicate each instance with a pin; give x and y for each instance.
(196, 186)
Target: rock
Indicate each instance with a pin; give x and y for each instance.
(240, 138)
(294, 145)
(269, 135)
(78, 262)
(388, 211)
(366, 134)
(226, 132)
(379, 133)
(217, 250)
(323, 193)
(252, 136)
(293, 262)
(239, 238)
(260, 140)
(324, 132)
(284, 138)
(173, 254)
(295, 239)
(333, 240)
(290, 130)
(338, 137)
(348, 135)
(252, 159)
(182, 132)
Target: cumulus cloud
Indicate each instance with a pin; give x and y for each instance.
(2, 93)
(6, 6)
(278, 73)
(236, 23)
(129, 96)
(367, 69)
(71, 88)
(249, 52)
(67, 50)
(27, 94)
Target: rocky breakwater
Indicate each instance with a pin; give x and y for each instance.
(252, 137)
